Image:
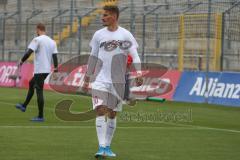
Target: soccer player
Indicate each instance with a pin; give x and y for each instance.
(45, 50)
(107, 62)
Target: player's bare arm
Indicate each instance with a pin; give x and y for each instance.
(137, 66)
(92, 61)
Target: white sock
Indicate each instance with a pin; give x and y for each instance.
(110, 129)
(101, 130)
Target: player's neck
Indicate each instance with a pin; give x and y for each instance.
(113, 27)
(42, 33)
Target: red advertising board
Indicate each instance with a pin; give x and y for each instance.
(172, 77)
(6, 70)
(9, 70)
(71, 82)
(157, 83)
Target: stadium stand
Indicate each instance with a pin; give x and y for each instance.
(173, 33)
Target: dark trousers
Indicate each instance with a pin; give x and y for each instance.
(37, 82)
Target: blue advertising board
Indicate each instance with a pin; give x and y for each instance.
(223, 88)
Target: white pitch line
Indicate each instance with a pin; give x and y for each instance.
(218, 129)
(202, 127)
(93, 127)
(141, 127)
(29, 106)
(90, 127)
(181, 126)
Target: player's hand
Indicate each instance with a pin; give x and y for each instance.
(55, 70)
(85, 87)
(139, 81)
(54, 76)
(19, 64)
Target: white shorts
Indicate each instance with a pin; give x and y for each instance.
(108, 94)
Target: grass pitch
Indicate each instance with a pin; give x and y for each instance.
(148, 131)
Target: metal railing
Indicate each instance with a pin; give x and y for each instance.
(183, 34)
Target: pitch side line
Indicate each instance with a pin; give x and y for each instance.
(181, 126)
(88, 127)
(92, 127)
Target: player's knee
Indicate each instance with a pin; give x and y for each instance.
(112, 114)
(101, 110)
(31, 84)
(39, 89)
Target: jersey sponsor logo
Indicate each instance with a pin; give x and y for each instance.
(215, 89)
(113, 44)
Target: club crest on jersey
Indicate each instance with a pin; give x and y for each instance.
(113, 44)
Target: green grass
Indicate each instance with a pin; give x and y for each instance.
(211, 133)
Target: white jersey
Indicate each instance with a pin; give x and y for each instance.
(112, 49)
(44, 47)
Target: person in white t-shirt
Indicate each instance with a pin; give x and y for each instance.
(107, 64)
(45, 50)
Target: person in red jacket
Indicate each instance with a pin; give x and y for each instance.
(129, 100)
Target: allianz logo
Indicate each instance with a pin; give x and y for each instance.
(215, 89)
